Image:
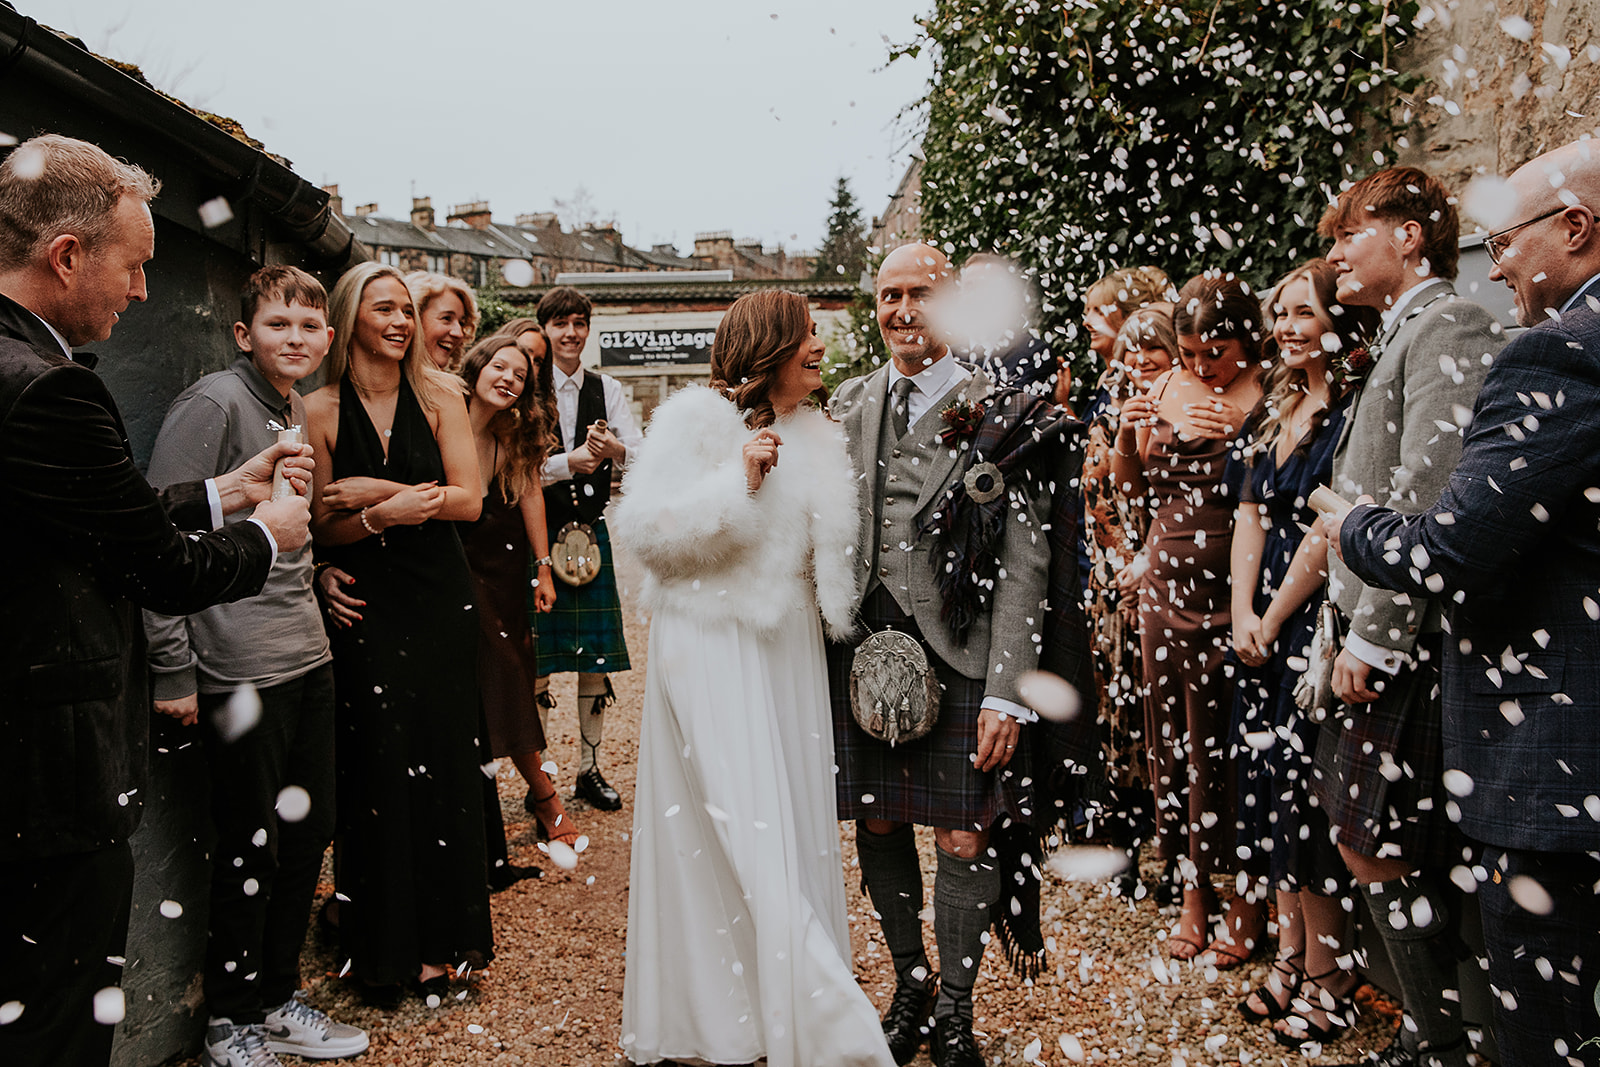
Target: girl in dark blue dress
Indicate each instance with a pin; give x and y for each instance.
(1278, 571)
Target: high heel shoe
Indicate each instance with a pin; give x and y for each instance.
(554, 822)
(1284, 967)
(1339, 1010)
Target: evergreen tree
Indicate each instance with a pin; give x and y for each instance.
(844, 250)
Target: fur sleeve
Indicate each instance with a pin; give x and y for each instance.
(835, 526)
(685, 505)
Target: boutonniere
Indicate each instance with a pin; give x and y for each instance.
(961, 419)
(1351, 368)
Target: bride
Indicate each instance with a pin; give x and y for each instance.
(741, 506)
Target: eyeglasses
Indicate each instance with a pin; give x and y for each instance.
(1495, 244)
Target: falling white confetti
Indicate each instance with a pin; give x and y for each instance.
(171, 909)
(216, 212)
(11, 1010)
(1085, 863)
(1529, 895)
(294, 803)
(1459, 782)
(109, 1006)
(518, 273)
(1052, 696)
(239, 715)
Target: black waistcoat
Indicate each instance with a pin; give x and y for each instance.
(583, 497)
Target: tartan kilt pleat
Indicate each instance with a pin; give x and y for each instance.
(583, 632)
(1378, 772)
(930, 781)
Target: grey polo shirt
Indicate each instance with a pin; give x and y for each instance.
(268, 639)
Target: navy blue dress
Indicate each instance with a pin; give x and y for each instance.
(1277, 813)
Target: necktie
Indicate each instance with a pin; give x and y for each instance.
(900, 406)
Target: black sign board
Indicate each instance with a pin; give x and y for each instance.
(655, 348)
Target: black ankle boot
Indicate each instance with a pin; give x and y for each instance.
(909, 1020)
(953, 1043)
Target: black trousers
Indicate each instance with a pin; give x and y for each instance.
(264, 867)
(1547, 962)
(61, 917)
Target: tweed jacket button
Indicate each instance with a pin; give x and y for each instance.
(883, 548)
(893, 478)
(888, 523)
(883, 572)
(895, 454)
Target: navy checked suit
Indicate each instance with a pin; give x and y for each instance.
(1513, 549)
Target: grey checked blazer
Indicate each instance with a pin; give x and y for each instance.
(1403, 438)
(1003, 643)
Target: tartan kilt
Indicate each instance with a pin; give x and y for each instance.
(930, 781)
(583, 632)
(1378, 773)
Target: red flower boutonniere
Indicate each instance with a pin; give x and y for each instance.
(961, 419)
(1351, 369)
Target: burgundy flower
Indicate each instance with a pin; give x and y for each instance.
(961, 418)
(1352, 368)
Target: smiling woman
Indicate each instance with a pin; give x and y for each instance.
(399, 472)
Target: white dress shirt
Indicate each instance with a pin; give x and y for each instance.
(619, 419)
(927, 386)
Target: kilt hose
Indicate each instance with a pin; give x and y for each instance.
(930, 781)
(583, 632)
(1378, 773)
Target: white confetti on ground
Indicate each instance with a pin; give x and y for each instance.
(1072, 1048)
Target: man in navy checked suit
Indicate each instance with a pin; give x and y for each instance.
(1513, 546)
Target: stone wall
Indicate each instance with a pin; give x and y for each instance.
(1505, 82)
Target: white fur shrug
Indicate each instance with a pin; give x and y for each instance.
(717, 551)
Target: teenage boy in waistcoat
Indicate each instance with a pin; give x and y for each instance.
(584, 631)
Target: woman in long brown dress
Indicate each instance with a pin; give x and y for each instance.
(1174, 445)
(512, 437)
(1115, 525)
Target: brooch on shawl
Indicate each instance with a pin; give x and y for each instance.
(1350, 369)
(961, 419)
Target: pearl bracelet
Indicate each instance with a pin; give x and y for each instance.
(367, 526)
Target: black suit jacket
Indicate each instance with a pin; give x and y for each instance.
(1512, 549)
(85, 542)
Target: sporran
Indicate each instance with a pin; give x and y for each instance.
(894, 693)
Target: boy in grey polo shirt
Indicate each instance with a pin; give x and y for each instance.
(272, 795)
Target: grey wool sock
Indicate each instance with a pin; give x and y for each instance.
(1411, 918)
(893, 875)
(963, 895)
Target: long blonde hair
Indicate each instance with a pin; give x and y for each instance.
(427, 286)
(428, 382)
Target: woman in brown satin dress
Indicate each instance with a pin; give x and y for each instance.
(1174, 445)
(511, 431)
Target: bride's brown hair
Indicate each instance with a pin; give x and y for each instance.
(760, 332)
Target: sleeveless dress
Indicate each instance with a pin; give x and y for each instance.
(1277, 814)
(409, 793)
(497, 554)
(1185, 618)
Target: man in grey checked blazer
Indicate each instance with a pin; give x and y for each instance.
(1512, 548)
(1378, 760)
(963, 776)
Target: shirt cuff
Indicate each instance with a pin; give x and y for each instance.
(273, 541)
(214, 498)
(1011, 709)
(1386, 660)
(556, 469)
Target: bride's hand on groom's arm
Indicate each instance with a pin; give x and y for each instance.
(997, 739)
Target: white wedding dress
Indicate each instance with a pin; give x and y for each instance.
(738, 946)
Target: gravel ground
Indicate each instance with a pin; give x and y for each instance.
(553, 995)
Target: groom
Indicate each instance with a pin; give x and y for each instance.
(908, 426)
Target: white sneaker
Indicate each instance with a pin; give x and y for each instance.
(228, 1045)
(298, 1029)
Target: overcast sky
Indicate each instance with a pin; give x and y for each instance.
(675, 117)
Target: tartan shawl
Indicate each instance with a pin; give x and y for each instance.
(1037, 448)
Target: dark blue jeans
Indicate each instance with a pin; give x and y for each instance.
(264, 867)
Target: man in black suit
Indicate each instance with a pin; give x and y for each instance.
(1512, 547)
(86, 543)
